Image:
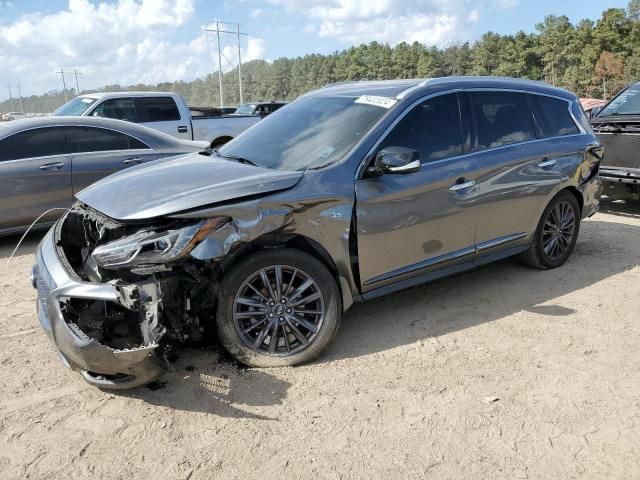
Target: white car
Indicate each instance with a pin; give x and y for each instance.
(164, 111)
(13, 116)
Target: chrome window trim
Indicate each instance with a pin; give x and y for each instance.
(133, 150)
(360, 169)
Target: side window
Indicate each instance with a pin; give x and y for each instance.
(92, 139)
(39, 142)
(552, 116)
(501, 118)
(118, 108)
(432, 128)
(156, 109)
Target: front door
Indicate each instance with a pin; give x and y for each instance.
(410, 224)
(35, 175)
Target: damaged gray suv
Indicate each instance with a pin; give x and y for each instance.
(352, 191)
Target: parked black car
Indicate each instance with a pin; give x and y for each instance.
(259, 108)
(348, 193)
(617, 126)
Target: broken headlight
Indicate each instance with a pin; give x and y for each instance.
(148, 247)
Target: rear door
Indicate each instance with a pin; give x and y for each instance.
(162, 113)
(411, 224)
(517, 171)
(101, 152)
(35, 175)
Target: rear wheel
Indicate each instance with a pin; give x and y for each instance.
(278, 308)
(556, 235)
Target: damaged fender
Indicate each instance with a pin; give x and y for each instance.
(252, 220)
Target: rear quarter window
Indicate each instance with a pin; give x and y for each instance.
(156, 109)
(579, 113)
(552, 117)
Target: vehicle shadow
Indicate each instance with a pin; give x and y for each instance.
(27, 247)
(624, 207)
(490, 293)
(205, 381)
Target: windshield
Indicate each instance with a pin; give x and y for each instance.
(74, 107)
(627, 103)
(311, 132)
(247, 108)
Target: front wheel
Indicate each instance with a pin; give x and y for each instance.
(556, 235)
(278, 308)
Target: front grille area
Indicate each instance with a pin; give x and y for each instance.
(620, 149)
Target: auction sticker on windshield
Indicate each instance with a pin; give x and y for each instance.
(376, 101)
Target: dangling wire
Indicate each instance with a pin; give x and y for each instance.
(29, 229)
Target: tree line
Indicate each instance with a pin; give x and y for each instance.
(591, 58)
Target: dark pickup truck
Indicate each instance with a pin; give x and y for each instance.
(617, 126)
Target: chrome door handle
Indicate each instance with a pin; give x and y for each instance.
(182, 129)
(456, 187)
(131, 160)
(52, 166)
(547, 163)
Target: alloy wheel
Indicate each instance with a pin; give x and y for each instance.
(558, 230)
(278, 310)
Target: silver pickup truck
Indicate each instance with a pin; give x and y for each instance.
(162, 111)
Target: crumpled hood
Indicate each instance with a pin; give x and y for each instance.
(181, 183)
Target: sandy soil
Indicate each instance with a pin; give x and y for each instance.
(504, 372)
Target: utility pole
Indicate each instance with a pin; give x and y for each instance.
(13, 107)
(64, 85)
(239, 65)
(75, 72)
(20, 95)
(11, 98)
(219, 63)
(237, 34)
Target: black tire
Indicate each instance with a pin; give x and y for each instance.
(232, 332)
(537, 256)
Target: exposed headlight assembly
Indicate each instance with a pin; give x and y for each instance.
(148, 247)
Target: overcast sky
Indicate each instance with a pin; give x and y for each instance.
(149, 41)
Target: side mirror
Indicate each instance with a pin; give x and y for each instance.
(395, 160)
(596, 110)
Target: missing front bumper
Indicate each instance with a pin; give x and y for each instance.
(81, 348)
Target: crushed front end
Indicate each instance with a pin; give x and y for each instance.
(115, 297)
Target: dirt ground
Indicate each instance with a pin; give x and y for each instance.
(505, 372)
